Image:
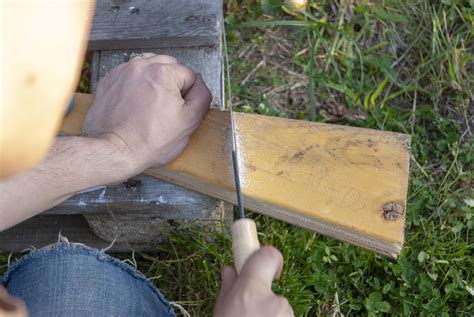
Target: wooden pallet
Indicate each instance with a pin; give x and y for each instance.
(190, 30)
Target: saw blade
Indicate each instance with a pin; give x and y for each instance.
(235, 157)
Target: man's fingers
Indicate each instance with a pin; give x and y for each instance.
(263, 265)
(166, 70)
(198, 98)
(228, 277)
(183, 77)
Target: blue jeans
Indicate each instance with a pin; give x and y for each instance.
(68, 279)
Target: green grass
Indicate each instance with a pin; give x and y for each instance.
(388, 65)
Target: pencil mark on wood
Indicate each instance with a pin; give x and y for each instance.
(349, 197)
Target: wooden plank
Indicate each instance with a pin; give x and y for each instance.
(94, 64)
(149, 229)
(345, 182)
(131, 232)
(203, 60)
(139, 195)
(119, 24)
(41, 231)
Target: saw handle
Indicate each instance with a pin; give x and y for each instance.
(244, 241)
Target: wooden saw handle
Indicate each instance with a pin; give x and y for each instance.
(244, 241)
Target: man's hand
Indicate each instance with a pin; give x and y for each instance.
(250, 293)
(148, 108)
(143, 115)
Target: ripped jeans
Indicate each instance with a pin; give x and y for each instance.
(70, 279)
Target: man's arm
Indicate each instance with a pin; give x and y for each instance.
(143, 115)
(73, 164)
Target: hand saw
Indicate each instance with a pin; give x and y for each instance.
(244, 230)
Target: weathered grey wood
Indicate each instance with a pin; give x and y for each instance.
(94, 62)
(44, 230)
(127, 232)
(204, 60)
(173, 28)
(139, 194)
(125, 24)
(149, 229)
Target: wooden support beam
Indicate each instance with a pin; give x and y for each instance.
(139, 195)
(345, 182)
(44, 230)
(155, 24)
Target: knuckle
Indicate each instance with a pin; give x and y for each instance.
(208, 95)
(272, 253)
(246, 296)
(161, 71)
(134, 63)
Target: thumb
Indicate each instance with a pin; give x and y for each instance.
(197, 99)
(228, 277)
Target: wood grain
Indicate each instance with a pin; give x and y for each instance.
(140, 231)
(41, 231)
(120, 24)
(345, 182)
(139, 195)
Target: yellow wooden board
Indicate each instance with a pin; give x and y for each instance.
(345, 182)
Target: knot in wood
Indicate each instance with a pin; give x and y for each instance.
(132, 183)
(392, 211)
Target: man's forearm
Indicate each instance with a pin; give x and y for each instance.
(73, 164)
